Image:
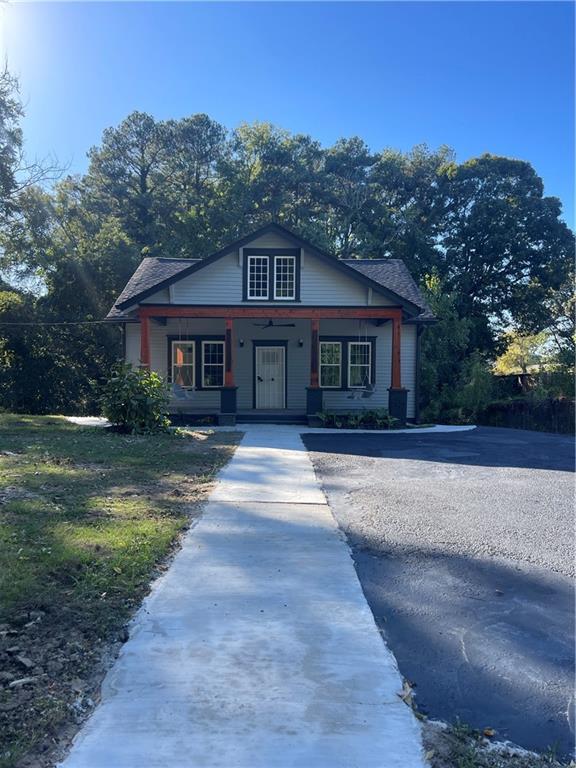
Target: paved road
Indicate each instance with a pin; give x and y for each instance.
(463, 544)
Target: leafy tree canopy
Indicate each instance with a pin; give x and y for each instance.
(522, 353)
(489, 247)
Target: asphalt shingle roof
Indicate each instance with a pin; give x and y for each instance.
(150, 272)
(389, 273)
(394, 275)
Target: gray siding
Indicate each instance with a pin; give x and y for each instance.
(218, 283)
(133, 344)
(297, 359)
(323, 285)
(320, 284)
(379, 397)
(408, 366)
(270, 241)
(160, 297)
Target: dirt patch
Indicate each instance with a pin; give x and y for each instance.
(15, 493)
(458, 746)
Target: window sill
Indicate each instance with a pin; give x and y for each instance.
(273, 301)
(202, 389)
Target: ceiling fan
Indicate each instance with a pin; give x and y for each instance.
(272, 324)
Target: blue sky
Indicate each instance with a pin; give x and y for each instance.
(480, 77)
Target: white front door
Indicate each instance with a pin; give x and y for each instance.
(270, 377)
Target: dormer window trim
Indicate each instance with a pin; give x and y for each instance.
(258, 282)
(278, 261)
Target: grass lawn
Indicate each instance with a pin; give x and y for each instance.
(86, 519)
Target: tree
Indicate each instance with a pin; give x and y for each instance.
(560, 306)
(503, 244)
(347, 193)
(477, 386)
(270, 175)
(16, 173)
(188, 205)
(444, 351)
(410, 202)
(126, 176)
(521, 353)
(10, 142)
(488, 246)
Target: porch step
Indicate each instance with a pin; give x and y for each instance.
(271, 418)
(242, 417)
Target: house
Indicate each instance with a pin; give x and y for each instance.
(273, 328)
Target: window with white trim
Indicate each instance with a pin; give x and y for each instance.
(258, 277)
(212, 364)
(330, 364)
(359, 363)
(183, 358)
(285, 277)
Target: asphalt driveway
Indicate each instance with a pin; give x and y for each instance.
(464, 545)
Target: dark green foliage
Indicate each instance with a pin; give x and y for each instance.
(555, 384)
(489, 247)
(10, 140)
(136, 400)
(540, 414)
(361, 419)
(444, 351)
(477, 386)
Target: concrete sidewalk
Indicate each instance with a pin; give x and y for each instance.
(257, 649)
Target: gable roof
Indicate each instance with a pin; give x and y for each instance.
(394, 274)
(149, 277)
(390, 277)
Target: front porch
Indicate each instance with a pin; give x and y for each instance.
(197, 416)
(270, 360)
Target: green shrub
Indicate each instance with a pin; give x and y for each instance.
(477, 389)
(540, 414)
(365, 419)
(136, 400)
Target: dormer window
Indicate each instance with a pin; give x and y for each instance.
(285, 278)
(258, 277)
(271, 274)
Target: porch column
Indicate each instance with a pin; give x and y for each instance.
(314, 351)
(144, 341)
(313, 392)
(397, 396)
(228, 353)
(228, 407)
(396, 340)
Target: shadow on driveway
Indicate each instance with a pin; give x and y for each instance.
(483, 446)
(463, 544)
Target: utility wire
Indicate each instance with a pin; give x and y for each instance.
(67, 322)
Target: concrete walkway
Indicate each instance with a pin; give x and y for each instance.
(257, 649)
